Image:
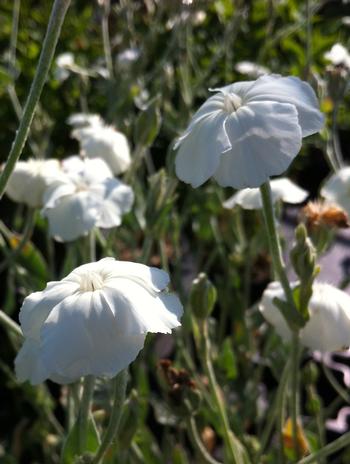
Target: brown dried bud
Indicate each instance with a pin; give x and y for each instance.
(317, 214)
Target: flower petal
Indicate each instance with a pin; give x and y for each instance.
(93, 343)
(287, 191)
(210, 106)
(118, 200)
(37, 306)
(289, 90)
(199, 153)
(149, 277)
(28, 365)
(265, 138)
(336, 189)
(138, 310)
(74, 216)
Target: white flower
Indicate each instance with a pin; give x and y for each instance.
(337, 189)
(281, 189)
(84, 196)
(247, 132)
(128, 56)
(328, 328)
(338, 55)
(29, 179)
(101, 141)
(65, 63)
(251, 69)
(94, 321)
(85, 119)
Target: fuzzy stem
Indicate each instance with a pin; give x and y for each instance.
(275, 248)
(84, 412)
(58, 13)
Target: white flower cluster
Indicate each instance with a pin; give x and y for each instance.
(78, 193)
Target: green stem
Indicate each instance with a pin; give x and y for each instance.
(197, 442)
(277, 411)
(275, 249)
(84, 412)
(58, 13)
(10, 323)
(333, 447)
(105, 37)
(120, 382)
(295, 391)
(234, 449)
(27, 234)
(92, 244)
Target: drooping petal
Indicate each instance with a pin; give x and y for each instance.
(288, 191)
(337, 188)
(291, 90)
(199, 153)
(117, 200)
(28, 365)
(210, 106)
(75, 215)
(37, 306)
(93, 342)
(265, 138)
(247, 198)
(329, 326)
(140, 311)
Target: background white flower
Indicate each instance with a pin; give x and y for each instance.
(85, 119)
(101, 141)
(337, 189)
(29, 180)
(281, 189)
(247, 132)
(94, 321)
(328, 328)
(338, 55)
(64, 64)
(86, 195)
(251, 69)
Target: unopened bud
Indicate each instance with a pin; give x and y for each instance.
(203, 296)
(303, 255)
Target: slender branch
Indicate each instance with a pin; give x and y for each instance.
(197, 442)
(120, 382)
(57, 16)
(27, 234)
(295, 391)
(333, 447)
(106, 40)
(10, 324)
(234, 448)
(276, 412)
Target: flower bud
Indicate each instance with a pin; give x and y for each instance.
(303, 254)
(203, 296)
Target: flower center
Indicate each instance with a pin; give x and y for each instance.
(232, 102)
(91, 281)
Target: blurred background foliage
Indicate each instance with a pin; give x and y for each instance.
(179, 50)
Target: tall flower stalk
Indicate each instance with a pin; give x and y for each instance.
(57, 16)
(291, 313)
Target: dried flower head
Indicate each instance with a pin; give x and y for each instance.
(317, 214)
